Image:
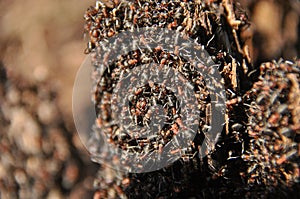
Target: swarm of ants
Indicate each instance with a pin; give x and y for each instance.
(257, 151)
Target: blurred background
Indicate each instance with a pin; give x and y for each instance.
(41, 48)
(275, 29)
(44, 39)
